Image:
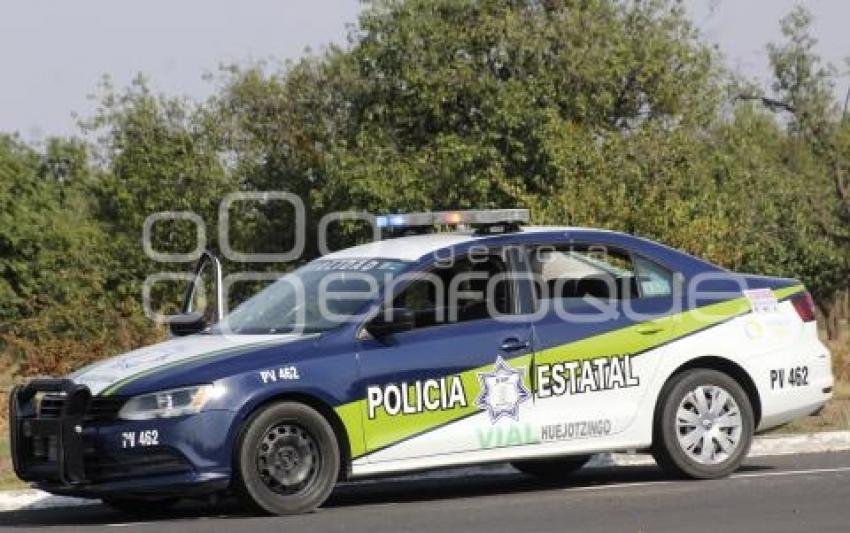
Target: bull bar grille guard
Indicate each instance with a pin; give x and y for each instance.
(25, 426)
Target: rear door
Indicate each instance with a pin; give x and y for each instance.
(439, 388)
(602, 326)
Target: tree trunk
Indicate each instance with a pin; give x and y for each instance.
(829, 321)
(836, 313)
(843, 326)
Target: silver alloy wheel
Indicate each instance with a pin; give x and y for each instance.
(709, 425)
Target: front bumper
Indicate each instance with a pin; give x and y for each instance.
(48, 448)
(80, 448)
(188, 485)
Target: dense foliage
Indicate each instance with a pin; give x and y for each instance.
(595, 112)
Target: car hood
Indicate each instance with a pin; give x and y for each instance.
(103, 375)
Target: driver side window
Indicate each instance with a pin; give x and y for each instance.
(470, 287)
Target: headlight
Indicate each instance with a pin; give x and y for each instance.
(168, 403)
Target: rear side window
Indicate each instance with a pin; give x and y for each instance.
(653, 279)
(577, 272)
(574, 272)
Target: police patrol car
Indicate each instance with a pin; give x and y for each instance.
(537, 346)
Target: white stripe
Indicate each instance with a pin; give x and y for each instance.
(795, 472)
(733, 476)
(102, 375)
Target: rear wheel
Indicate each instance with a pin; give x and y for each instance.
(552, 469)
(705, 426)
(288, 459)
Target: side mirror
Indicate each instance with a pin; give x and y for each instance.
(187, 324)
(391, 321)
(207, 261)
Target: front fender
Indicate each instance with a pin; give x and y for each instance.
(322, 384)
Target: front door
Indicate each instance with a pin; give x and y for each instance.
(459, 380)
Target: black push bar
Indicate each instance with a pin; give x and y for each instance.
(31, 434)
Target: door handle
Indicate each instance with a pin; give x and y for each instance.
(650, 328)
(514, 345)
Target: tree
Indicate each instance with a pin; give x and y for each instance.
(161, 154)
(469, 104)
(55, 311)
(819, 150)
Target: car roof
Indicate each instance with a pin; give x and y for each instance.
(414, 247)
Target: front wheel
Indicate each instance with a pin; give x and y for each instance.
(705, 425)
(288, 459)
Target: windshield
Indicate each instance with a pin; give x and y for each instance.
(317, 297)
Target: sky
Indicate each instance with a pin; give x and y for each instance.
(742, 29)
(53, 53)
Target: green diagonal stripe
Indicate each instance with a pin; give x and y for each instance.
(387, 430)
(384, 430)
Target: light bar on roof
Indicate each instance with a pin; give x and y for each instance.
(405, 220)
(473, 217)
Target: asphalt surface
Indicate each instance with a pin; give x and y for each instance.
(789, 493)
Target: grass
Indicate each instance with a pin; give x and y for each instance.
(7, 476)
(834, 417)
(8, 480)
(842, 390)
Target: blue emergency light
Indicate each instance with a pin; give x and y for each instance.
(483, 220)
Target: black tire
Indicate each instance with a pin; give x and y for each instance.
(287, 460)
(554, 469)
(139, 506)
(681, 459)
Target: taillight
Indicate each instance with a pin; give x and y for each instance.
(805, 306)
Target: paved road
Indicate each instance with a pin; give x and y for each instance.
(792, 493)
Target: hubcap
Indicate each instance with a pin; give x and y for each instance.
(287, 458)
(708, 424)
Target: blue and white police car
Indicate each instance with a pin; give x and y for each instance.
(492, 342)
